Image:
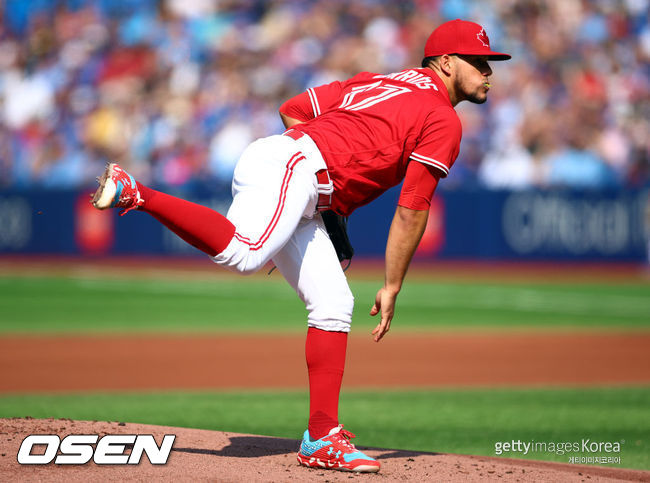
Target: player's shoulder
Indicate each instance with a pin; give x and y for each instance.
(444, 111)
(445, 117)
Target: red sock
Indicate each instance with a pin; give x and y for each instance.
(198, 225)
(325, 353)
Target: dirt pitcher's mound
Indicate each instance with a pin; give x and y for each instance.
(200, 455)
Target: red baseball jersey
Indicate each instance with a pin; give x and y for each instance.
(371, 127)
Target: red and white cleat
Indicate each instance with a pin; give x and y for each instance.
(335, 452)
(117, 189)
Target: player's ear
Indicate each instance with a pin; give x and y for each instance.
(446, 64)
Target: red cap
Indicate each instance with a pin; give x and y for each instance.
(461, 37)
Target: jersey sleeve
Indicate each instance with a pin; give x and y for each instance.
(439, 142)
(419, 184)
(313, 102)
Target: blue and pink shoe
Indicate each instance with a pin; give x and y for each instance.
(117, 189)
(335, 452)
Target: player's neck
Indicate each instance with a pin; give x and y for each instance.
(448, 83)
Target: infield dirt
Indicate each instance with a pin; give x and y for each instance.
(72, 363)
(200, 455)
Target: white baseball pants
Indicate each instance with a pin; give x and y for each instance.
(275, 193)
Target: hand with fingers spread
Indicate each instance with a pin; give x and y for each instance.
(384, 303)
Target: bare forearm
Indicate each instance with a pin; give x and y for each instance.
(405, 233)
(403, 238)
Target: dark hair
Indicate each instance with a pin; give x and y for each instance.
(427, 60)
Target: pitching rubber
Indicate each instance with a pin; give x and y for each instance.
(103, 197)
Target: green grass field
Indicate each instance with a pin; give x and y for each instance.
(460, 421)
(50, 304)
(449, 421)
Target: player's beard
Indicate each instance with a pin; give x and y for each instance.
(476, 96)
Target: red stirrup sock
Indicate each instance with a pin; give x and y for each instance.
(198, 225)
(325, 353)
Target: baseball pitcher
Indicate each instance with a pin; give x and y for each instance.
(346, 143)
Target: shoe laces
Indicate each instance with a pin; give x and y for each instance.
(138, 203)
(127, 201)
(344, 437)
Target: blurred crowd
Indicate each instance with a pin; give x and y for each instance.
(175, 89)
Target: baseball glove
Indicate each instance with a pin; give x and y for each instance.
(337, 229)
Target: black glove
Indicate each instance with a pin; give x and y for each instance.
(337, 228)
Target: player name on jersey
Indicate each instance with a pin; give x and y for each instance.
(419, 80)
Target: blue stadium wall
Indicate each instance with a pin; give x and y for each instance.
(527, 225)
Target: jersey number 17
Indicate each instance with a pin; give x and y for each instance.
(362, 97)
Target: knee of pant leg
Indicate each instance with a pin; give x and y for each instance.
(249, 269)
(247, 266)
(237, 257)
(332, 314)
(236, 269)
